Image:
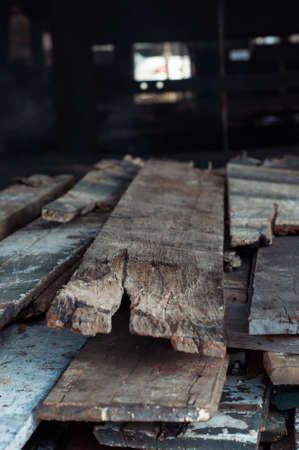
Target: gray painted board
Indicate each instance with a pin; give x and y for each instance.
(30, 363)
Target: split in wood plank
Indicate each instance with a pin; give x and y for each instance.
(32, 258)
(236, 425)
(101, 187)
(22, 202)
(274, 306)
(163, 246)
(121, 377)
(282, 368)
(31, 361)
(263, 201)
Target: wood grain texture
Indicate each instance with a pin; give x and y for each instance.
(274, 306)
(263, 201)
(235, 426)
(282, 368)
(101, 188)
(163, 246)
(31, 361)
(132, 378)
(35, 256)
(23, 201)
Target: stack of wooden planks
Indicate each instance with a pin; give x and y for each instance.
(133, 262)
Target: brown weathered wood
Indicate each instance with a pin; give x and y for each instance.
(163, 246)
(274, 306)
(282, 368)
(132, 378)
(236, 425)
(32, 258)
(23, 201)
(101, 188)
(262, 202)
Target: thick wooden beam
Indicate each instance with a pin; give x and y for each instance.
(31, 358)
(274, 305)
(101, 188)
(236, 425)
(163, 246)
(22, 202)
(131, 378)
(282, 368)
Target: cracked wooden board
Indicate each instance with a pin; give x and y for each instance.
(23, 201)
(121, 377)
(263, 201)
(274, 306)
(101, 188)
(163, 246)
(282, 368)
(32, 258)
(31, 361)
(236, 425)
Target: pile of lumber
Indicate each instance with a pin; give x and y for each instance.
(128, 301)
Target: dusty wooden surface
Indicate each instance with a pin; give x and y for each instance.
(23, 201)
(101, 187)
(132, 378)
(275, 301)
(282, 368)
(31, 360)
(237, 424)
(263, 201)
(35, 256)
(163, 246)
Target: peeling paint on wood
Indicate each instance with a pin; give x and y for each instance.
(132, 378)
(263, 201)
(23, 201)
(30, 364)
(101, 188)
(163, 246)
(235, 426)
(35, 256)
(274, 306)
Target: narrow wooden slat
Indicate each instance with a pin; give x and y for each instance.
(282, 368)
(262, 201)
(35, 256)
(101, 187)
(23, 201)
(163, 246)
(132, 378)
(236, 425)
(31, 361)
(274, 307)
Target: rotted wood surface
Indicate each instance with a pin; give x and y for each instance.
(23, 201)
(237, 424)
(35, 256)
(163, 246)
(282, 368)
(263, 201)
(274, 306)
(101, 187)
(31, 360)
(121, 377)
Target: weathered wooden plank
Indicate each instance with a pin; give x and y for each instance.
(282, 368)
(35, 256)
(262, 202)
(30, 362)
(274, 306)
(101, 187)
(237, 424)
(163, 246)
(23, 201)
(132, 378)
